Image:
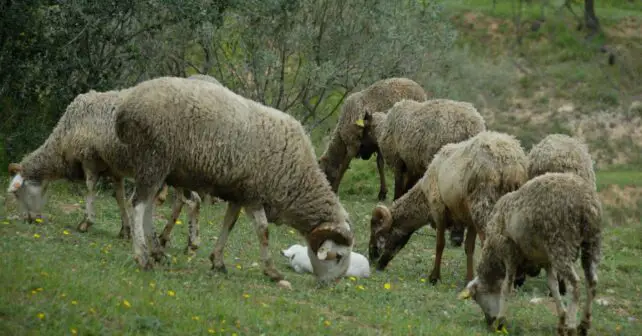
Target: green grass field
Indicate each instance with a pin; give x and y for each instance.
(56, 281)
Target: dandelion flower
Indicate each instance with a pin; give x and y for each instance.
(152, 284)
(360, 287)
(246, 295)
(291, 231)
(196, 318)
(65, 232)
(211, 331)
(38, 220)
(74, 302)
(387, 285)
(151, 303)
(171, 293)
(238, 266)
(39, 289)
(422, 280)
(353, 278)
(74, 331)
(126, 304)
(35, 235)
(34, 292)
(41, 315)
(327, 323)
(178, 222)
(92, 310)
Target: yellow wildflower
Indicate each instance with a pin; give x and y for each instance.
(196, 318)
(387, 285)
(422, 280)
(246, 295)
(211, 331)
(327, 323)
(291, 231)
(65, 232)
(41, 315)
(178, 222)
(238, 266)
(353, 278)
(152, 284)
(361, 287)
(92, 310)
(171, 293)
(126, 303)
(74, 302)
(38, 220)
(74, 331)
(33, 292)
(151, 303)
(35, 235)
(39, 289)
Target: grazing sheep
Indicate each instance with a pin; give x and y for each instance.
(300, 262)
(459, 189)
(556, 153)
(412, 127)
(83, 145)
(550, 220)
(206, 138)
(346, 138)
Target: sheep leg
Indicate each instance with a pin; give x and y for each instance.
(194, 207)
(383, 189)
(177, 207)
(261, 226)
(90, 216)
(125, 219)
(559, 305)
(589, 265)
(143, 226)
(568, 272)
(231, 216)
(471, 234)
(162, 195)
(399, 181)
(435, 275)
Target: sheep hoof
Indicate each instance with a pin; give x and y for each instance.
(125, 233)
(382, 195)
(434, 278)
(285, 284)
(191, 249)
(164, 242)
(84, 225)
(159, 256)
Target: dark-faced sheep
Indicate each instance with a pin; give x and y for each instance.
(347, 135)
(551, 220)
(459, 189)
(557, 153)
(206, 138)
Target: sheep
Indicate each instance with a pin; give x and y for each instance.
(204, 137)
(551, 220)
(346, 138)
(457, 191)
(83, 145)
(300, 262)
(557, 153)
(412, 127)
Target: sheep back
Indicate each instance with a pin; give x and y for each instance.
(412, 127)
(467, 178)
(561, 153)
(218, 142)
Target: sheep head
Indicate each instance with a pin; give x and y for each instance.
(368, 144)
(386, 239)
(28, 192)
(329, 249)
(487, 297)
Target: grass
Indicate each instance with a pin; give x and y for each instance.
(57, 281)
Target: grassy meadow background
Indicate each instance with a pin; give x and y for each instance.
(57, 281)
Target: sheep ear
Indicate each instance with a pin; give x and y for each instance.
(469, 291)
(14, 168)
(381, 218)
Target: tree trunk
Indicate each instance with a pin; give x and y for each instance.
(590, 19)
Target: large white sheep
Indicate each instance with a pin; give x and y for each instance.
(458, 191)
(551, 220)
(204, 137)
(346, 138)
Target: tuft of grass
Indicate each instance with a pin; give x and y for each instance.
(59, 281)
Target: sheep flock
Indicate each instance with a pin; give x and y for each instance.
(529, 210)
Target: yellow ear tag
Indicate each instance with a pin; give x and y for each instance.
(359, 123)
(465, 294)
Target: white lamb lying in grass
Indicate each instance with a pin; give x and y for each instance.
(300, 262)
